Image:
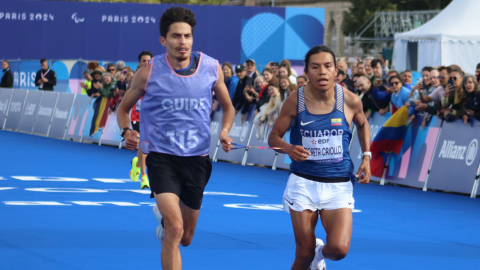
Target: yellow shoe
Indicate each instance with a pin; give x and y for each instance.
(135, 172)
(145, 183)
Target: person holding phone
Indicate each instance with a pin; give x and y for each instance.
(472, 89)
(454, 98)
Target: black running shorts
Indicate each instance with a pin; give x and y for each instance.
(136, 126)
(184, 176)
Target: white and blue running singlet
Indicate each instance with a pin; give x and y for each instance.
(327, 137)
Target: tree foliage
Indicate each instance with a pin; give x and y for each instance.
(363, 11)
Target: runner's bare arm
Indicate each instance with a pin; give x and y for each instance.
(363, 129)
(288, 112)
(221, 92)
(136, 90)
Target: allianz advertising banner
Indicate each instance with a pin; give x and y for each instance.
(456, 158)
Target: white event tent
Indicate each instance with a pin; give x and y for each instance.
(451, 37)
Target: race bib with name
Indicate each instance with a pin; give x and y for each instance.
(324, 149)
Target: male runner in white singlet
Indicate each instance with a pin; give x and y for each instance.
(321, 174)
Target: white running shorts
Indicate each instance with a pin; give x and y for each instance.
(302, 194)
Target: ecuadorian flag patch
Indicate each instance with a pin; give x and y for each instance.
(336, 121)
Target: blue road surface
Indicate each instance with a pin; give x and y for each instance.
(69, 205)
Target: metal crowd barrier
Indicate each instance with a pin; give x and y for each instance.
(441, 156)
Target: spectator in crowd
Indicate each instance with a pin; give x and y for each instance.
(392, 73)
(120, 89)
(144, 58)
(270, 111)
(101, 69)
(472, 108)
(370, 102)
(284, 83)
(284, 72)
(353, 67)
(380, 87)
(354, 80)
(87, 84)
(46, 78)
(288, 65)
(368, 66)
(292, 89)
(111, 69)
(108, 87)
(340, 76)
(425, 87)
(343, 67)
(454, 98)
(119, 65)
(361, 68)
(268, 74)
(97, 84)
(407, 79)
(439, 79)
(231, 80)
(345, 81)
(274, 66)
(456, 67)
(301, 81)
(251, 69)
(252, 93)
(7, 77)
(128, 77)
(263, 96)
(121, 85)
(477, 73)
(92, 65)
(239, 101)
(400, 94)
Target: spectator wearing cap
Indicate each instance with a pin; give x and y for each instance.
(7, 77)
(274, 66)
(239, 102)
(250, 69)
(46, 78)
(342, 79)
(87, 84)
(472, 108)
(343, 67)
(231, 80)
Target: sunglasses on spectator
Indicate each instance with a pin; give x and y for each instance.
(112, 69)
(395, 83)
(250, 64)
(440, 77)
(453, 78)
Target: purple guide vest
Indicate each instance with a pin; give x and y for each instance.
(175, 111)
